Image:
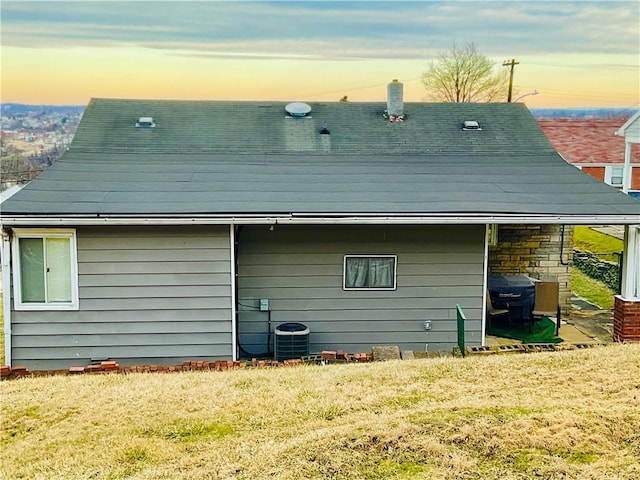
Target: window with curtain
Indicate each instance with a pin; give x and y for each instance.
(45, 270)
(369, 272)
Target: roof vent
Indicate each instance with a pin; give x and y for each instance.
(145, 122)
(324, 130)
(471, 125)
(297, 109)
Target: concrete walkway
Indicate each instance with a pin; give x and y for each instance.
(611, 230)
(597, 324)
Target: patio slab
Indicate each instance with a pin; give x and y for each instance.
(587, 323)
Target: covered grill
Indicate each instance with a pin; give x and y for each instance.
(515, 292)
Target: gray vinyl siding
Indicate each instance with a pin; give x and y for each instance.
(148, 295)
(299, 270)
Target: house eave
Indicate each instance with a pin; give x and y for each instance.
(321, 218)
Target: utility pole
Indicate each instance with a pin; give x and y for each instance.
(511, 64)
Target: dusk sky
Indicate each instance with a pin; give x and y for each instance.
(576, 54)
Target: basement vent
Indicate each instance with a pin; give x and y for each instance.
(471, 125)
(145, 122)
(297, 109)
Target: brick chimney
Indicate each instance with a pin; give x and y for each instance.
(395, 104)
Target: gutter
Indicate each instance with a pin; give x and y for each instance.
(321, 219)
(5, 251)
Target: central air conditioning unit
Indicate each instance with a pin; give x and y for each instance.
(292, 341)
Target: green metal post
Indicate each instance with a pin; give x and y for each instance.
(461, 319)
(620, 260)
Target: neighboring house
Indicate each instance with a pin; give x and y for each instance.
(9, 192)
(175, 230)
(592, 145)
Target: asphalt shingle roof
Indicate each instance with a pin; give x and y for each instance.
(233, 158)
(262, 127)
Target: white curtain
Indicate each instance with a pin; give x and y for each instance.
(58, 270)
(369, 272)
(357, 272)
(381, 272)
(32, 270)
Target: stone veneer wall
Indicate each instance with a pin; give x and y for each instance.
(535, 250)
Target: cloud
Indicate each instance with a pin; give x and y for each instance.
(326, 30)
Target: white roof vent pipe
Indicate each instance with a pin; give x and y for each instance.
(395, 103)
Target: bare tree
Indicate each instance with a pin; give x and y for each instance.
(465, 75)
(15, 169)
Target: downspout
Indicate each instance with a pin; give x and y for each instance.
(485, 284)
(562, 262)
(234, 291)
(6, 293)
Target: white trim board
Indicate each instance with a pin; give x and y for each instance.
(324, 218)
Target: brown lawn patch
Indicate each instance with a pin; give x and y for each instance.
(569, 415)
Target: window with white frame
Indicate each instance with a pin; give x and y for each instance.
(614, 175)
(45, 269)
(369, 272)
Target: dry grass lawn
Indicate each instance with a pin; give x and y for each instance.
(589, 240)
(564, 415)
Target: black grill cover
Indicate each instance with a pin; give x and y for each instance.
(518, 291)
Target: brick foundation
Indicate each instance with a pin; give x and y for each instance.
(626, 320)
(539, 251)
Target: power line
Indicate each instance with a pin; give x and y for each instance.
(582, 65)
(586, 94)
(21, 172)
(586, 65)
(356, 89)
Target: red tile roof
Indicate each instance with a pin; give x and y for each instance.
(588, 140)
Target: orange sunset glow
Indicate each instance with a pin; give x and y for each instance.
(573, 54)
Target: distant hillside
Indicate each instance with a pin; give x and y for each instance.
(19, 108)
